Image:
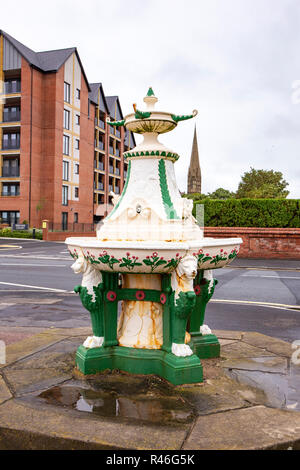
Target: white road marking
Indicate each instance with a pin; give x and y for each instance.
(276, 277)
(256, 302)
(37, 265)
(33, 287)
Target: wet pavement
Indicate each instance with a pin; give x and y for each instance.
(46, 403)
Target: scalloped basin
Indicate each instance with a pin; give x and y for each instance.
(153, 257)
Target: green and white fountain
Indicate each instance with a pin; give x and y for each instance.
(151, 256)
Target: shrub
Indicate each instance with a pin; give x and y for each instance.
(283, 213)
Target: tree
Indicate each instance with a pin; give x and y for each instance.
(221, 193)
(265, 184)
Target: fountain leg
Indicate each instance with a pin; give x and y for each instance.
(203, 344)
(142, 360)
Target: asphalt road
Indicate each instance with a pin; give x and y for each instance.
(36, 290)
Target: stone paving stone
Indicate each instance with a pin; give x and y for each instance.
(69, 429)
(219, 394)
(30, 380)
(273, 345)
(228, 334)
(271, 364)
(240, 349)
(12, 335)
(4, 391)
(249, 428)
(66, 332)
(28, 346)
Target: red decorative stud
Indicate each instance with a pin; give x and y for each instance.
(111, 295)
(140, 294)
(197, 289)
(163, 298)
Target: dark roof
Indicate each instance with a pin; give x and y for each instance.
(93, 96)
(47, 61)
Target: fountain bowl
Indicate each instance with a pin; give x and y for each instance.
(155, 256)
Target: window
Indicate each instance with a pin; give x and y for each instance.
(10, 167)
(75, 217)
(11, 141)
(76, 144)
(76, 169)
(66, 119)
(78, 93)
(67, 92)
(65, 191)
(66, 145)
(65, 170)
(64, 221)
(10, 217)
(77, 119)
(10, 189)
(76, 192)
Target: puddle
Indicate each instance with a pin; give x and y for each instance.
(99, 400)
(281, 390)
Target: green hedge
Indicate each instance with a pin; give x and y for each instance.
(283, 213)
(7, 232)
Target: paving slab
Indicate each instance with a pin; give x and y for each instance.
(272, 345)
(90, 432)
(239, 349)
(246, 429)
(4, 391)
(30, 345)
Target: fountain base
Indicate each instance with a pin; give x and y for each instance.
(177, 370)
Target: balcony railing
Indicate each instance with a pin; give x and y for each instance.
(12, 86)
(100, 186)
(110, 187)
(11, 116)
(101, 166)
(111, 169)
(11, 144)
(9, 173)
(117, 171)
(111, 150)
(100, 145)
(101, 124)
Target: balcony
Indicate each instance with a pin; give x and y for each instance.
(117, 171)
(111, 150)
(100, 166)
(12, 86)
(11, 116)
(10, 172)
(100, 186)
(110, 187)
(101, 124)
(117, 152)
(111, 169)
(100, 145)
(11, 143)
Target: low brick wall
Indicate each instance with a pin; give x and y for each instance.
(283, 243)
(61, 236)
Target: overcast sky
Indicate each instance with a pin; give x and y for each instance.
(236, 61)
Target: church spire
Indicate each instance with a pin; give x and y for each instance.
(194, 174)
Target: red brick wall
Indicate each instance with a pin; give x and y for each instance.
(281, 243)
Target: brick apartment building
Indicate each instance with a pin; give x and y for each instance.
(59, 159)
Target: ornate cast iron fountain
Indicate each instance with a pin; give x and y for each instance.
(150, 255)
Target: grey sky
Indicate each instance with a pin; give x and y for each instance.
(233, 60)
